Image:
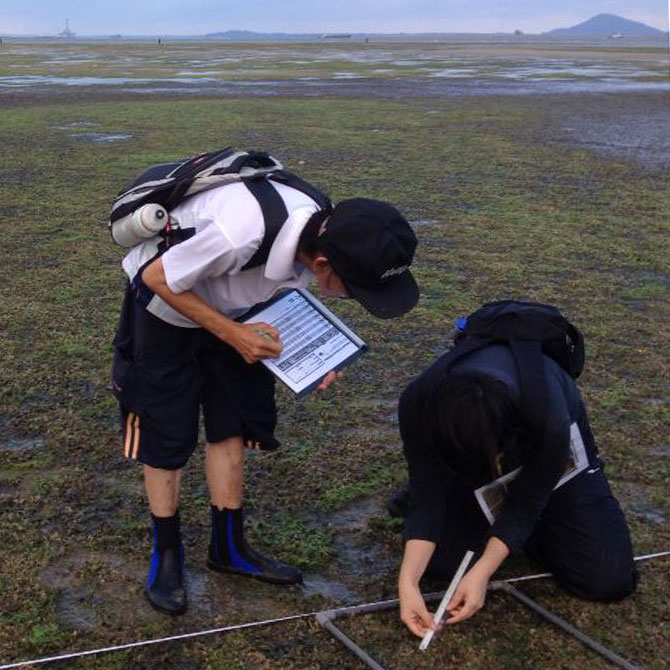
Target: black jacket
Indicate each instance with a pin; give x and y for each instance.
(527, 495)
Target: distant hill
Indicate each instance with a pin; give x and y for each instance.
(605, 25)
(250, 35)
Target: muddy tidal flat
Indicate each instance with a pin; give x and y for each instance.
(532, 170)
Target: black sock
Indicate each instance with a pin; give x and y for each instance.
(166, 531)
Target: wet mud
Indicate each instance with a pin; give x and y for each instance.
(356, 554)
(95, 589)
(612, 102)
(633, 127)
(16, 444)
(350, 86)
(615, 119)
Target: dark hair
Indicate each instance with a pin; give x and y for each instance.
(309, 238)
(472, 419)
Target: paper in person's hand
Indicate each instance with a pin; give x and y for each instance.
(315, 340)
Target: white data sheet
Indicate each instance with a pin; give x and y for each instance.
(492, 496)
(315, 340)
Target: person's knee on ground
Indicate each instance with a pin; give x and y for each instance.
(605, 582)
(584, 540)
(601, 571)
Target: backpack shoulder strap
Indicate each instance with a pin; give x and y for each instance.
(274, 215)
(273, 207)
(532, 382)
(299, 184)
(430, 379)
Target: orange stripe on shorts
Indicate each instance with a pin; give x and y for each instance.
(129, 433)
(136, 437)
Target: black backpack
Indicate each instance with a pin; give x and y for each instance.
(169, 184)
(530, 329)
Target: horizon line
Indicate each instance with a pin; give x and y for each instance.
(321, 34)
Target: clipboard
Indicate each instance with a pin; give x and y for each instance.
(315, 340)
(492, 496)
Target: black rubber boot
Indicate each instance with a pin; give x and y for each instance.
(228, 552)
(165, 584)
(399, 501)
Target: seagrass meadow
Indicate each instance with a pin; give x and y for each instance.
(556, 192)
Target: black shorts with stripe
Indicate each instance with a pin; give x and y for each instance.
(162, 376)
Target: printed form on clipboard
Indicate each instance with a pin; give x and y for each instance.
(491, 496)
(315, 340)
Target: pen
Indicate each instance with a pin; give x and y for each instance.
(262, 333)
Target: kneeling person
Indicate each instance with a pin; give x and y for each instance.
(462, 426)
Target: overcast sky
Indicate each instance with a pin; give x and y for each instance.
(104, 17)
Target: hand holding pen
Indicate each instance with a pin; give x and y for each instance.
(256, 341)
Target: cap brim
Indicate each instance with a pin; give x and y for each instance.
(394, 298)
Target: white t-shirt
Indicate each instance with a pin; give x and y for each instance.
(229, 229)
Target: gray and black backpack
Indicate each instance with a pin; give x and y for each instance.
(141, 210)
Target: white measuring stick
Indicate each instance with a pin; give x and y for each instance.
(447, 597)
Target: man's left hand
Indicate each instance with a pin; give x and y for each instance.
(328, 380)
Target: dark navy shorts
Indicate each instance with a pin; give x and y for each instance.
(163, 374)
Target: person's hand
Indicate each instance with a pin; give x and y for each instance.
(256, 341)
(469, 596)
(328, 380)
(413, 612)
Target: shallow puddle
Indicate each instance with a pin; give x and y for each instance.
(454, 72)
(329, 589)
(76, 608)
(356, 553)
(648, 513)
(94, 138)
(556, 71)
(201, 592)
(358, 559)
(101, 138)
(76, 124)
(417, 223)
(662, 451)
(22, 444)
(48, 80)
(346, 75)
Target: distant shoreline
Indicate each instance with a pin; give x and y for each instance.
(459, 38)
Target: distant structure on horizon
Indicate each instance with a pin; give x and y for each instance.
(336, 36)
(67, 33)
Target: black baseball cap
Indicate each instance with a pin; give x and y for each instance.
(370, 246)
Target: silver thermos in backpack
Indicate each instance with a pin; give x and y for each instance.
(145, 222)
